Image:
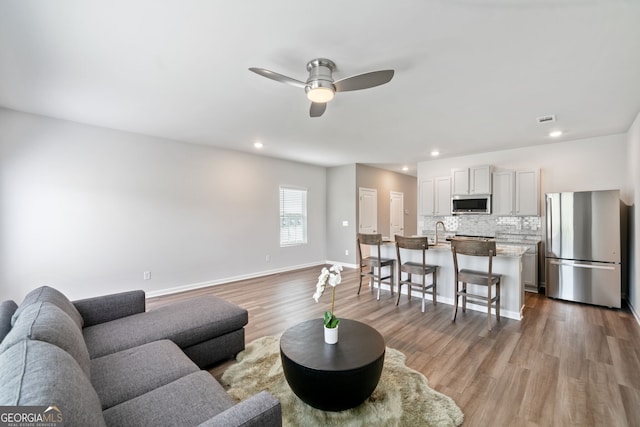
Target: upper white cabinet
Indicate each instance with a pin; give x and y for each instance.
(442, 196)
(459, 181)
(475, 180)
(435, 196)
(480, 180)
(503, 193)
(516, 193)
(528, 192)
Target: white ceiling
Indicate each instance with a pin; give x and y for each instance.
(471, 75)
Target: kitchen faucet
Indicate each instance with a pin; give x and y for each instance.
(443, 229)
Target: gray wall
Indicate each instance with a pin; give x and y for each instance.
(88, 209)
(341, 206)
(385, 181)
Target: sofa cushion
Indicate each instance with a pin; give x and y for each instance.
(53, 296)
(190, 400)
(106, 308)
(44, 321)
(36, 373)
(7, 308)
(121, 376)
(185, 323)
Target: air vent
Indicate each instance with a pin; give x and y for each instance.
(546, 119)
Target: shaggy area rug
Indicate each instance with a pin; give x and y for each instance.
(402, 397)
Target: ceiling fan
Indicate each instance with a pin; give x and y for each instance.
(320, 86)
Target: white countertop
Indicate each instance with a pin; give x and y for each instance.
(506, 250)
(502, 250)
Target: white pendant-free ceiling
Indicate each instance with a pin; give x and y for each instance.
(470, 76)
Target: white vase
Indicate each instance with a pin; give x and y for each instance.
(331, 335)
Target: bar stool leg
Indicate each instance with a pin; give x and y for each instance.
(489, 307)
(424, 290)
(464, 297)
(498, 301)
(434, 278)
(455, 301)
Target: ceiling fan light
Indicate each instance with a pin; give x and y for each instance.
(320, 94)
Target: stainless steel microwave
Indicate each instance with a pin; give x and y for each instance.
(471, 205)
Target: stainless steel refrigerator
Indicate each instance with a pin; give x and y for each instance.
(582, 254)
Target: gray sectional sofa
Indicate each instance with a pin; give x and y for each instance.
(106, 361)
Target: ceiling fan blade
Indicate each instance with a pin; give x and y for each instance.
(317, 109)
(364, 81)
(278, 77)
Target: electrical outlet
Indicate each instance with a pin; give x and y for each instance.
(346, 251)
(267, 258)
(147, 275)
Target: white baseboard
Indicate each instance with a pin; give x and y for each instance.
(344, 264)
(254, 275)
(634, 312)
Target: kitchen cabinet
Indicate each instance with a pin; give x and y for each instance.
(503, 193)
(529, 264)
(435, 196)
(475, 180)
(459, 181)
(527, 201)
(516, 193)
(530, 269)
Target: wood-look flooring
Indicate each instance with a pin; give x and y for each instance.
(564, 364)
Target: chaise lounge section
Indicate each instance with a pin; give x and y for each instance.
(107, 361)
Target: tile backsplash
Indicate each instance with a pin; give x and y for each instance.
(483, 225)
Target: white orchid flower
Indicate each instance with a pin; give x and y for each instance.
(333, 278)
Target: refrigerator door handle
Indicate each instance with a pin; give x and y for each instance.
(595, 267)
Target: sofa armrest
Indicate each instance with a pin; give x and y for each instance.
(110, 307)
(260, 410)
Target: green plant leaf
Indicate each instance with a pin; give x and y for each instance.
(330, 321)
(327, 318)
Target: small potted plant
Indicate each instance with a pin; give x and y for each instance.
(332, 277)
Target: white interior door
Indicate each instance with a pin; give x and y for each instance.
(396, 214)
(368, 208)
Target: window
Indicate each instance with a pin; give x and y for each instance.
(293, 216)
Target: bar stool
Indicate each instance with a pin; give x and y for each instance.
(420, 268)
(476, 248)
(369, 264)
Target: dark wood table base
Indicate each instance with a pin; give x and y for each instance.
(332, 377)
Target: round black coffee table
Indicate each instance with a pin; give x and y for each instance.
(332, 377)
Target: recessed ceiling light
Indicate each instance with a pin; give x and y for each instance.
(405, 168)
(258, 145)
(555, 133)
(435, 153)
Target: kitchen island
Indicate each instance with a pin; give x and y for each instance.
(507, 262)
